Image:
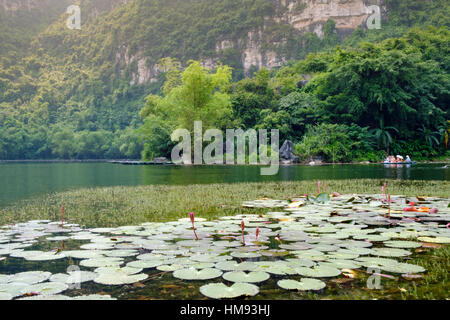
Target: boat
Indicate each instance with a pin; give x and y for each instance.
(412, 162)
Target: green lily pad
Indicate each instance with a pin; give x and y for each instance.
(127, 269)
(305, 285)
(251, 277)
(245, 255)
(120, 253)
(390, 252)
(101, 262)
(97, 246)
(119, 278)
(372, 237)
(209, 258)
(4, 278)
(84, 254)
(318, 271)
(275, 267)
(194, 274)
(13, 288)
(145, 264)
(235, 266)
(443, 240)
(45, 288)
(221, 291)
(341, 264)
(30, 277)
(5, 296)
(171, 267)
(376, 262)
(402, 244)
(403, 268)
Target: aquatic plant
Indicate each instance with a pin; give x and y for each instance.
(62, 217)
(243, 228)
(193, 226)
(221, 291)
(321, 240)
(305, 284)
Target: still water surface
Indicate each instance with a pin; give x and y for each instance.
(23, 180)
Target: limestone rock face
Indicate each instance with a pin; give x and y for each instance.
(312, 14)
(302, 15)
(143, 73)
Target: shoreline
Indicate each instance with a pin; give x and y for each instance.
(140, 162)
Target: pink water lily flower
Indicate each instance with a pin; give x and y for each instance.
(193, 226)
(242, 228)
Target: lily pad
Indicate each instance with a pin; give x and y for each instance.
(119, 278)
(145, 264)
(435, 240)
(318, 271)
(245, 255)
(127, 270)
(30, 277)
(14, 288)
(403, 268)
(5, 296)
(305, 285)
(102, 262)
(170, 268)
(221, 291)
(194, 274)
(235, 266)
(402, 244)
(251, 277)
(46, 288)
(390, 252)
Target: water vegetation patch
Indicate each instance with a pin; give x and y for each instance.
(332, 248)
(125, 206)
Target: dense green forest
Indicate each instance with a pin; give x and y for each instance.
(64, 94)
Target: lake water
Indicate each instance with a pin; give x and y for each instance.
(22, 180)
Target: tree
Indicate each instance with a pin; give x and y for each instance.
(198, 95)
(429, 136)
(383, 135)
(63, 143)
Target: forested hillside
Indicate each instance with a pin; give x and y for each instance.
(82, 93)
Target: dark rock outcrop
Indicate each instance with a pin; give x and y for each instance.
(287, 152)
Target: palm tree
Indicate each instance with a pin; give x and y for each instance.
(383, 135)
(444, 132)
(429, 136)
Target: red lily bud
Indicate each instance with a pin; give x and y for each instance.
(192, 216)
(257, 232)
(242, 225)
(389, 205)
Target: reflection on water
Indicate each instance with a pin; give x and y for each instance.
(22, 180)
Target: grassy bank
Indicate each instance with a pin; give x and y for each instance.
(115, 206)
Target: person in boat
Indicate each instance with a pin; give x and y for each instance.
(399, 158)
(408, 159)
